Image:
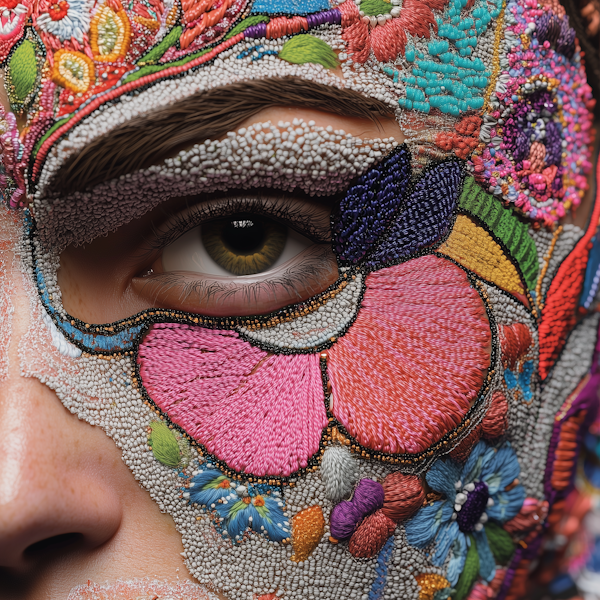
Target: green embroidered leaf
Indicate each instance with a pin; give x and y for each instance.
(501, 544)
(504, 225)
(157, 52)
(245, 23)
(164, 444)
(304, 48)
(469, 575)
(23, 70)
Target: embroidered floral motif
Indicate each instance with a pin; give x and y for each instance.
(239, 507)
(371, 403)
(478, 498)
(66, 19)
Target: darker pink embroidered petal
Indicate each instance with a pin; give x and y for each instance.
(259, 413)
(414, 360)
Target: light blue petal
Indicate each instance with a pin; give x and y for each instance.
(506, 465)
(224, 507)
(487, 563)
(443, 542)
(206, 477)
(209, 497)
(442, 476)
(472, 468)
(204, 495)
(423, 527)
(506, 504)
(275, 524)
(238, 524)
(459, 556)
(510, 379)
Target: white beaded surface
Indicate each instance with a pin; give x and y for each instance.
(317, 327)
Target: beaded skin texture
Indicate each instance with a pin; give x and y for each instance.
(421, 414)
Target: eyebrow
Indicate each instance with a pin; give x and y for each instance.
(143, 141)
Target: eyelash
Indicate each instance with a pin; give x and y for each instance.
(310, 267)
(288, 211)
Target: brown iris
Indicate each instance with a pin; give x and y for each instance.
(244, 245)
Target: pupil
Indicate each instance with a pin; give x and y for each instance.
(244, 237)
(244, 244)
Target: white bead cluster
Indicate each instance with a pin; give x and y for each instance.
(317, 327)
(287, 156)
(224, 70)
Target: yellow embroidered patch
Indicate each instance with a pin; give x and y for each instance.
(473, 247)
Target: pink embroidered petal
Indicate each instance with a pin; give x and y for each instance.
(412, 363)
(259, 413)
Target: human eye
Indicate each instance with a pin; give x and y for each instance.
(244, 254)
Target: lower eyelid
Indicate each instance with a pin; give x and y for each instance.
(306, 275)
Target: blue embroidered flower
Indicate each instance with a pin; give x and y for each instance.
(258, 507)
(480, 496)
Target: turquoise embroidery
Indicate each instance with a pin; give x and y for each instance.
(447, 79)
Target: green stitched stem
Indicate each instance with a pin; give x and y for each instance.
(469, 575)
(247, 22)
(164, 444)
(505, 226)
(501, 544)
(309, 49)
(149, 69)
(157, 52)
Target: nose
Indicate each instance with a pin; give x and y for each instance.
(55, 491)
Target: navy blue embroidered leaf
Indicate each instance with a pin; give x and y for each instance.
(369, 206)
(427, 216)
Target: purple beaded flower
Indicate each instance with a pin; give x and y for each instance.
(480, 496)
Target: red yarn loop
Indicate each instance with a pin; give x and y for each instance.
(404, 495)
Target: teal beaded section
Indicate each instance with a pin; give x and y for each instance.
(504, 225)
(446, 77)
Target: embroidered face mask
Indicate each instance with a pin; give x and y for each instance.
(361, 365)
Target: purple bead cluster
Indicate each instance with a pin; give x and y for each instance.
(473, 508)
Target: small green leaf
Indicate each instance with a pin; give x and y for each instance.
(23, 70)
(244, 24)
(157, 52)
(309, 49)
(501, 544)
(164, 444)
(469, 575)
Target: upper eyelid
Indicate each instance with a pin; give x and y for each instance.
(295, 213)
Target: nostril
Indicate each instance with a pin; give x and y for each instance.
(51, 545)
